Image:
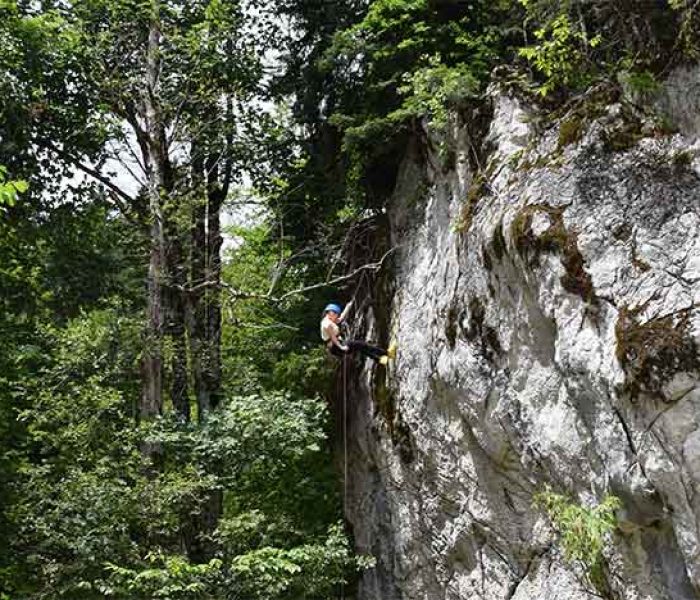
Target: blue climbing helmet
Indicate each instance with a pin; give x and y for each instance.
(332, 307)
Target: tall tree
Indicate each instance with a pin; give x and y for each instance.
(154, 90)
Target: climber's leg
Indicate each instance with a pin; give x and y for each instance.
(373, 352)
(335, 351)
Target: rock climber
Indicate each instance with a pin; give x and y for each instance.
(333, 315)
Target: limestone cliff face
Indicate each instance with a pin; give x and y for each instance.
(547, 311)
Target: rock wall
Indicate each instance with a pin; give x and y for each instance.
(546, 303)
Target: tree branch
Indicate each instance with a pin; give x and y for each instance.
(263, 327)
(228, 165)
(118, 157)
(115, 190)
(242, 295)
(367, 267)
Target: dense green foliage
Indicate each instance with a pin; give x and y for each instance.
(93, 519)
(272, 345)
(380, 67)
(85, 513)
(97, 502)
(412, 58)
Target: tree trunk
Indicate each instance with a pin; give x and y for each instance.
(151, 365)
(205, 335)
(215, 198)
(199, 284)
(173, 312)
(205, 301)
(159, 185)
(200, 526)
(175, 319)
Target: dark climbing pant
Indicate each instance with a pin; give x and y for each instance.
(373, 352)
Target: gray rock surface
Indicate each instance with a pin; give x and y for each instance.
(548, 322)
(679, 100)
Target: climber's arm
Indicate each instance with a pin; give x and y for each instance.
(345, 312)
(336, 341)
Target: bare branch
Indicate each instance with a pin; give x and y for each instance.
(263, 327)
(117, 156)
(139, 160)
(126, 213)
(283, 265)
(243, 295)
(232, 292)
(367, 267)
(130, 113)
(103, 179)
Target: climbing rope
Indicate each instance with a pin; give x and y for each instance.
(345, 452)
(345, 433)
(345, 408)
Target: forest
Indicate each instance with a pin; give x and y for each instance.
(182, 190)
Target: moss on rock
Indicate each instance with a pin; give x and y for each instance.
(652, 353)
(556, 238)
(626, 132)
(386, 405)
(476, 191)
(570, 131)
(478, 330)
(498, 242)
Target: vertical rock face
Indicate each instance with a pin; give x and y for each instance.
(547, 313)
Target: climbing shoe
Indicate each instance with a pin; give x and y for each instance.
(391, 352)
(383, 360)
